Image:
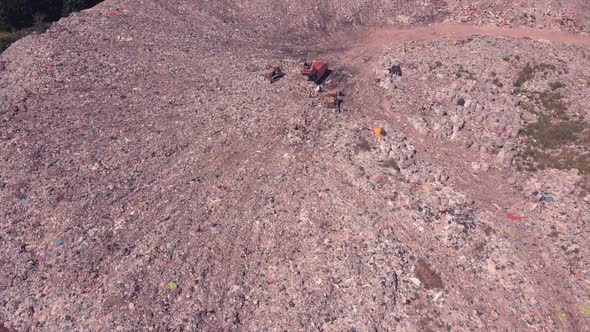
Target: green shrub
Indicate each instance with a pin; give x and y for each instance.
(20, 14)
(462, 72)
(525, 74)
(39, 24)
(528, 72)
(550, 135)
(552, 102)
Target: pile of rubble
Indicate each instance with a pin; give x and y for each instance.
(470, 96)
(155, 180)
(480, 96)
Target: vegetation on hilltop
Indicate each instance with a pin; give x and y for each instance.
(21, 17)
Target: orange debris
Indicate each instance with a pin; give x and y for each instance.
(379, 132)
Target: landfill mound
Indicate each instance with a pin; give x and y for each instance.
(153, 178)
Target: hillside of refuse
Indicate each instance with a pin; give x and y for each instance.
(436, 178)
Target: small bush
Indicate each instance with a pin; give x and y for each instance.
(462, 72)
(390, 163)
(528, 72)
(550, 135)
(552, 102)
(525, 74)
(39, 24)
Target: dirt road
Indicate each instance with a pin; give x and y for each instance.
(360, 45)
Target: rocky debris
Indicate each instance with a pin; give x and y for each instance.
(486, 107)
(453, 96)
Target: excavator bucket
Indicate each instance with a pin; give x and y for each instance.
(274, 73)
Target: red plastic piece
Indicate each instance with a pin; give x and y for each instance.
(514, 217)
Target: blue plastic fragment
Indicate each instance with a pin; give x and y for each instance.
(548, 198)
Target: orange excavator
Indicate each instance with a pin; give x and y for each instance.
(315, 71)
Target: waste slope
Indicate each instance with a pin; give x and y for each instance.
(153, 179)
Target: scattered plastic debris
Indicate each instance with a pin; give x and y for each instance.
(561, 315)
(548, 198)
(379, 132)
(390, 94)
(390, 218)
(426, 187)
(514, 217)
(585, 309)
(437, 296)
(511, 234)
(395, 70)
(543, 197)
(415, 281)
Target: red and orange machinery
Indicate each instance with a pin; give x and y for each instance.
(333, 99)
(316, 70)
(274, 73)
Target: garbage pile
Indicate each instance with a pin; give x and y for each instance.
(476, 103)
(473, 97)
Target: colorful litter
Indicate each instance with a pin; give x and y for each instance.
(548, 198)
(514, 217)
(379, 132)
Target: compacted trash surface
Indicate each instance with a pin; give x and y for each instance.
(153, 179)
